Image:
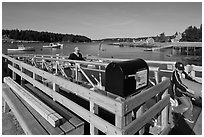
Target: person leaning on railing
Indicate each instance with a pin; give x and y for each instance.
(76, 55)
(182, 93)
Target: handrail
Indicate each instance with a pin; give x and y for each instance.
(80, 67)
(191, 69)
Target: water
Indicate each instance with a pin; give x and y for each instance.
(108, 51)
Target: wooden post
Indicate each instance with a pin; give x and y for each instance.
(164, 113)
(139, 113)
(55, 87)
(187, 51)
(43, 61)
(13, 73)
(128, 117)
(180, 50)
(57, 63)
(192, 72)
(170, 121)
(157, 79)
(76, 71)
(63, 63)
(93, 109)
(119, 120)
(33, 78)
(100, 78)
(22, 80)
(156, 75)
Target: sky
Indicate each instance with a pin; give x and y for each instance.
(99, 20)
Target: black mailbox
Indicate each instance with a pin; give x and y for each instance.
(126, 77)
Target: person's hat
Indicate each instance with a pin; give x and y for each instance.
(179, 66)
(76, 48)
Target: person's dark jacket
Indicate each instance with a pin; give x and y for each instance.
(73, 56)
(179, 88)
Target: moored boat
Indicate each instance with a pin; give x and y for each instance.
(22, 48)
(52, 45)
(148, 49)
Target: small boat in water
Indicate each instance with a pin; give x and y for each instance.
(22, 48)
(52, 45)
(148, 49)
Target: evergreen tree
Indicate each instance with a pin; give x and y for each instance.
(192, 34)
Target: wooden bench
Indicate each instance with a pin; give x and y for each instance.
(78, 124)
(32, 122)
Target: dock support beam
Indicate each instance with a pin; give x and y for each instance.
(164, 113)
(94, 110)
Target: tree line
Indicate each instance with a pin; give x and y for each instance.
(30, 35)
(191, 34)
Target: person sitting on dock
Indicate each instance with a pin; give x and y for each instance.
(182, 93)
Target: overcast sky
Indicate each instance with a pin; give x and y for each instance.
(103, 20)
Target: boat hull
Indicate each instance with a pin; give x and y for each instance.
(58, 46)
(28, 49)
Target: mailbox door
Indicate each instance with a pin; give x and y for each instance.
(114, 79)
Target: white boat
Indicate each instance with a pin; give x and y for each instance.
(52, 45)
(148, 49)
(22, 48)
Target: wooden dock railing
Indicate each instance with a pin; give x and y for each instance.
(122, 108)
(167, 68)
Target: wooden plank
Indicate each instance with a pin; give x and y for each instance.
(50, 115)
(74, 120)
(101, 100)
(145, 95)
(67, 127)
(78, 131)
(38, 104)
(138, 123)
(49, 128)
(29, 124)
